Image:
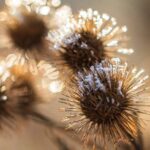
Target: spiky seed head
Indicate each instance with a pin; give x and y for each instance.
(20, 85)
(45, 76)
(27, 30)
(88, 38)
(105, 100)
(17, 96)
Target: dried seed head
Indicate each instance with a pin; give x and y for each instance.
(27, 31)
(46, 76)
(17, 96)
(105, 102)
(20, 85)
(88, 38)
(21, 91)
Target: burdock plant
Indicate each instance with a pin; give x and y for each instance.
(89, 38)
(20, 84)
(104, 102)
(27, 32)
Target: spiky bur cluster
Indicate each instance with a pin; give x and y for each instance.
(104, 103)
(89, 38)
(45, 75)
(17, 96)
(27, 31)
(20, 85)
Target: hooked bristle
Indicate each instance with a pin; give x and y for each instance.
(103, 104)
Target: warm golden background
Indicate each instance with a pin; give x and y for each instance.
(133, 13)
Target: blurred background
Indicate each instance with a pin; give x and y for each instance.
(135, 14)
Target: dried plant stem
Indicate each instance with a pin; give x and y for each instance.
(138, 143)
(48, 122)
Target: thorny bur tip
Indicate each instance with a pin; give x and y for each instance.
(26, 30)
(103, 105)
(89, 38)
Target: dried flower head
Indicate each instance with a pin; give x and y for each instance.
(20, 85)
(17, 95)
(45, 75)
(27, 31)
(88, 38)
(104, 104)
(21, 91)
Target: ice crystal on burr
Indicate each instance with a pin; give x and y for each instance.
(105, 98)
(89, 38)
